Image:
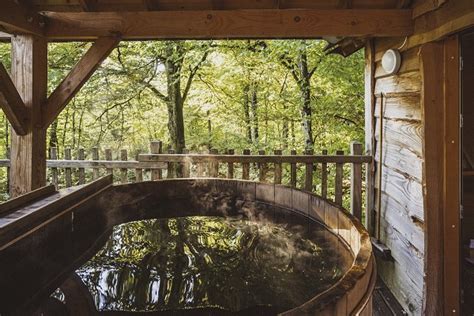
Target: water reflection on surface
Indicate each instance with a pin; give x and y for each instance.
(210, 262)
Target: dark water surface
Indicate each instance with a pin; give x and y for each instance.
(206, 263)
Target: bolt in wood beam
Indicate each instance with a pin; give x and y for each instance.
(12, 104)
(17, 18)
(78, 76)
(28, 153)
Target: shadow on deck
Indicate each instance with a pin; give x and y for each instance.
(385, 304)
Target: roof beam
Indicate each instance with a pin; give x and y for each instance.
(12, 104)
(217, 24)
(78, 76)
(17, 18)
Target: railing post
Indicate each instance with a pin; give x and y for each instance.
(308, 181)
(277, 172)
(213, 164)
(246, 166)
(170, 173)
(356, 182)
(123, 171)
(67, 171)
(108, 157)
(293, 171)
(200, 169)
(156, 147)
(186, 165)
(262, 168)
(95, 156)
(324, 177)
(138, 171)
(54, 171)
(338, 182)
(8, 171)
(230, 165)
(81, 172)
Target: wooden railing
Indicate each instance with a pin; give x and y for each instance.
(324, 174)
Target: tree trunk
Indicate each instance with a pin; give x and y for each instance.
(173, 66)
(248, 125)
(53, 134)
(305, 91)
(254, 115)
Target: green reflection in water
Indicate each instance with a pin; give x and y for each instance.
(204, 262)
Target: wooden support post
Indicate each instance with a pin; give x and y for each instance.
(108, 157)
(95, 156)
(214, 165)
(324, 177)
(138, 171)
(230, 165)
(186, 167)
(123, 171)
(29, 74)
(246, 166)
(67, 171)
(338, 180)
(156, 147)
(54, 171)
(277, 172)
(170, 174)
(308, 180)
(262, 168)
(293, 171)
(356, 182)
(81, 171)
(8, 170)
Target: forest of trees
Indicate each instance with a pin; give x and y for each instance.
(278, 94)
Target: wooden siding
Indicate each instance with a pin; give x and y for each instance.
(402, 191)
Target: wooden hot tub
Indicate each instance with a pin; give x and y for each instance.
(45, 238)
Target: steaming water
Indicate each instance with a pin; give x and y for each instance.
(227, 264)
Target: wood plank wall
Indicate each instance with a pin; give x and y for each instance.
(401, 185)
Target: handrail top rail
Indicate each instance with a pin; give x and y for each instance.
(254, 158)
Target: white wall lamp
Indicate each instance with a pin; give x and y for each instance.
(391, 61)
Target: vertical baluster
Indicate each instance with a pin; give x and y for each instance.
(67, 171)
(277, 172)
(95, 170)
(54, 171)
(138, 171)
(156, 147)
(338, 182)
(246, 166)
(200, 166)
(186, 166)
(81, 171)
(108, 157)
(123, 171)
(170, 173)
(230, 165)
(324, 177)
(214, 164)
(8, 170)
(356, 182)
(308, 181)
(262, 168)
(293, 171)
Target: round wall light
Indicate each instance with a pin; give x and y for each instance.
(391, 61)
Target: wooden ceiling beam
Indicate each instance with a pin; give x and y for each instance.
(18, 18)
(78, 76)
(12, 104)
(221, 24)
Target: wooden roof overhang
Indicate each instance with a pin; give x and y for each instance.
(78, 20)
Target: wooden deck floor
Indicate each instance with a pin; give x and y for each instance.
(384, 302)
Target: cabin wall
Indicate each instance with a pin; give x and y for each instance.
(401, 184)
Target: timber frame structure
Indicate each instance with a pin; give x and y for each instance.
(420, 189)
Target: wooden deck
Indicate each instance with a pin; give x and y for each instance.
(385, 304)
